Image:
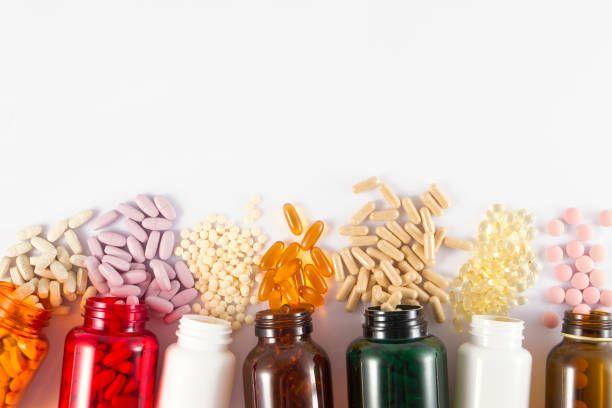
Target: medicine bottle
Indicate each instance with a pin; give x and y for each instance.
(396, 363)
(198, 369)
(579, 369)
(493, 369)
(110, 360)
(23, 347)
(286, 369)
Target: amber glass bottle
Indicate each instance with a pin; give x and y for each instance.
(286, 369)
(579, 369)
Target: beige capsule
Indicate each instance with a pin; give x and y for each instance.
(349, 261)
(390, 197)
(438, 310)
(55, 296)
(16, 277)
(18, 249)
(375, 293)
(384, 215)
(398, 231)
(420, 252)
(422, 296)
(407, 293)
(456, 243)
(405, 267)
(426, 220)
(411, 277)
(44, 273)
(439, 236)
(363, 279)
(79, 218)
(365, 240)
(429, 247)
(73, 241)
(385, 234)
(411, 211)
(350, 230)
(414, 231)
(81, 281)
(41, 261)
(412, 302)
(436, 278)
(23, 291)
(380, 278)
(366, 185)
(376, 254)
(69, 287)
(89, 292)
(42, 244)
(43, 288)
(439, 196)
(23, 265)
(346, 288)
(64, 256)
(5, 264)
(59, 271)
(363, 213)
(338, 267)
(57, 230)
(78, 260)
(433, 290)
(28, 232)
(363, 258)
(353, 300)
(367, 295)
(390, 250)
(429, 202)
(391, 273)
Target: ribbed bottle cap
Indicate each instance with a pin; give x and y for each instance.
(286, 320)
(406, 323)
(597, 324)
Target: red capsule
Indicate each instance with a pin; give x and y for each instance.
(115, 357)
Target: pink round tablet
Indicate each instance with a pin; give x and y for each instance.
(584, 264)
(591, 295)
(584, 232)
(605, 218)
(598, 278)
(606, 298)
(582, 309)
(572, 216)
(574, 249)
(550, 319)
(554, 253)
(598, 253)
(563, 272)
(555, 294)
(580, 280)
(555, 227)
(573, 297)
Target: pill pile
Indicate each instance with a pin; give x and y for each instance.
(136, 265)
(394, 264)
(502, 267)
(580, 280)
(223, 259)
(48, 269)
(295, 273)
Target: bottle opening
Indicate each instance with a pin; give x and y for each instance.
(105, 312)
(407, 322)
(208, 328)
(294, 320)
(496, 330)
(17, 315)
(596, 324)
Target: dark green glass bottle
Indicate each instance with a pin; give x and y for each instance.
(397, 363)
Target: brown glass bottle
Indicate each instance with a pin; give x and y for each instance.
(286, 369)
(579, 369)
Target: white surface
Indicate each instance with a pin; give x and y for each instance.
(210, 101)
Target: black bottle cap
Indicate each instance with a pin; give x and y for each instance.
(407, 322)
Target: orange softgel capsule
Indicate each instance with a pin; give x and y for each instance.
(290, 292)
(311, 296)
(312, 235)
(316, 281)
(293, 219)
(272, 255)
(276, 298)
(267, 283)
(299, 278)
(324, 265)
(291, 252)
(287, 271)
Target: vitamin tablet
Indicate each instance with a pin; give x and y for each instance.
(338, 267)
(584, 264)
(605, 218)
(398, 231)
(363, 258)
(365, 185)
(147, 205)
(550, 320)
(555, 294)
(584, 232)
(598, 253)
(597, 278)
(456, 243)
(104, 220)
(554, 253)
(363, 213)
(136, 230)
(572, 216)
(555, 227)
(384, 233)
(293, 219)
(411, 211)
(573, 296)
(439, 196)
(312, 235)
(582, 309)
(390, 197)
(437, 308)
(574, 249)
(580, 280)
(563, 272)
(353, 230)
(384, 215)
(156, 224)
(426, 220)
(591, 295)
(429, 202)
(606, 298)
(349, 261)
(346, 288)
(165, 207)
(365, 240)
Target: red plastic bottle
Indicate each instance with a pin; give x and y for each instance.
(110, 361)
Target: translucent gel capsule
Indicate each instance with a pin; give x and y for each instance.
(315, 280)
(265, 287)
(311, 296)
(298, 278)
(290, 292)
(272, 255)
(287, 271)
(324, 265)
(293, 219)
(276, 298)
(312, 235)
(291, 252)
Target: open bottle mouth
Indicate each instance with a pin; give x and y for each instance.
(596, 324)
(293, 320)
(105, 311)
(21, 316)
(405, 323)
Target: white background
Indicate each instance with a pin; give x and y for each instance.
(210, 101)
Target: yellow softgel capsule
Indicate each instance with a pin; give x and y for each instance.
(289, 254)
(287, 271)
(315, 279)
(312, 235)
(293, 219)
(311, 296)
(276, 298)
(266, 285)
(290, 292)
(272, 255)
(323, 264)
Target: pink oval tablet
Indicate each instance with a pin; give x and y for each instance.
(554, 253)
(95, 247)
(144, 286)
(92, 264)
(152, 243)
(606, 298)
(572, 216)
(138, 265)
(101, 287)
(582, 309)
(591, 295)
(177, 314)
(573, 297)
(134, 277)
(584, 264)
(118, 252)
(111, 238)
(555, 294)
(147, 205)
(104, 220)
(125, 290)
(112, 276)
(598, 253)
(555, 227)
(153, 289)
(184, 297)
(161, 276)
(158, 304)
(605, 218)
(550, 319)
(135, 248)
(166, 245)
(598, 278)
(183, 274)
(169, 294)
(165, 207)
(157, 224)
(574, 249)
(584, 232)
(132, 300)
(580, 280)
(563, 272)
(136, 230)
(130, 212)
(116, 263)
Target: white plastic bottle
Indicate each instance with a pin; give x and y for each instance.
(493, 368)
(198, 369)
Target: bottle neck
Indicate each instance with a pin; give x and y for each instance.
(496, 332)
(104, 314)
(286, 325)
(203, 333)
(18, 317)
(595, 326)
(406, 323)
